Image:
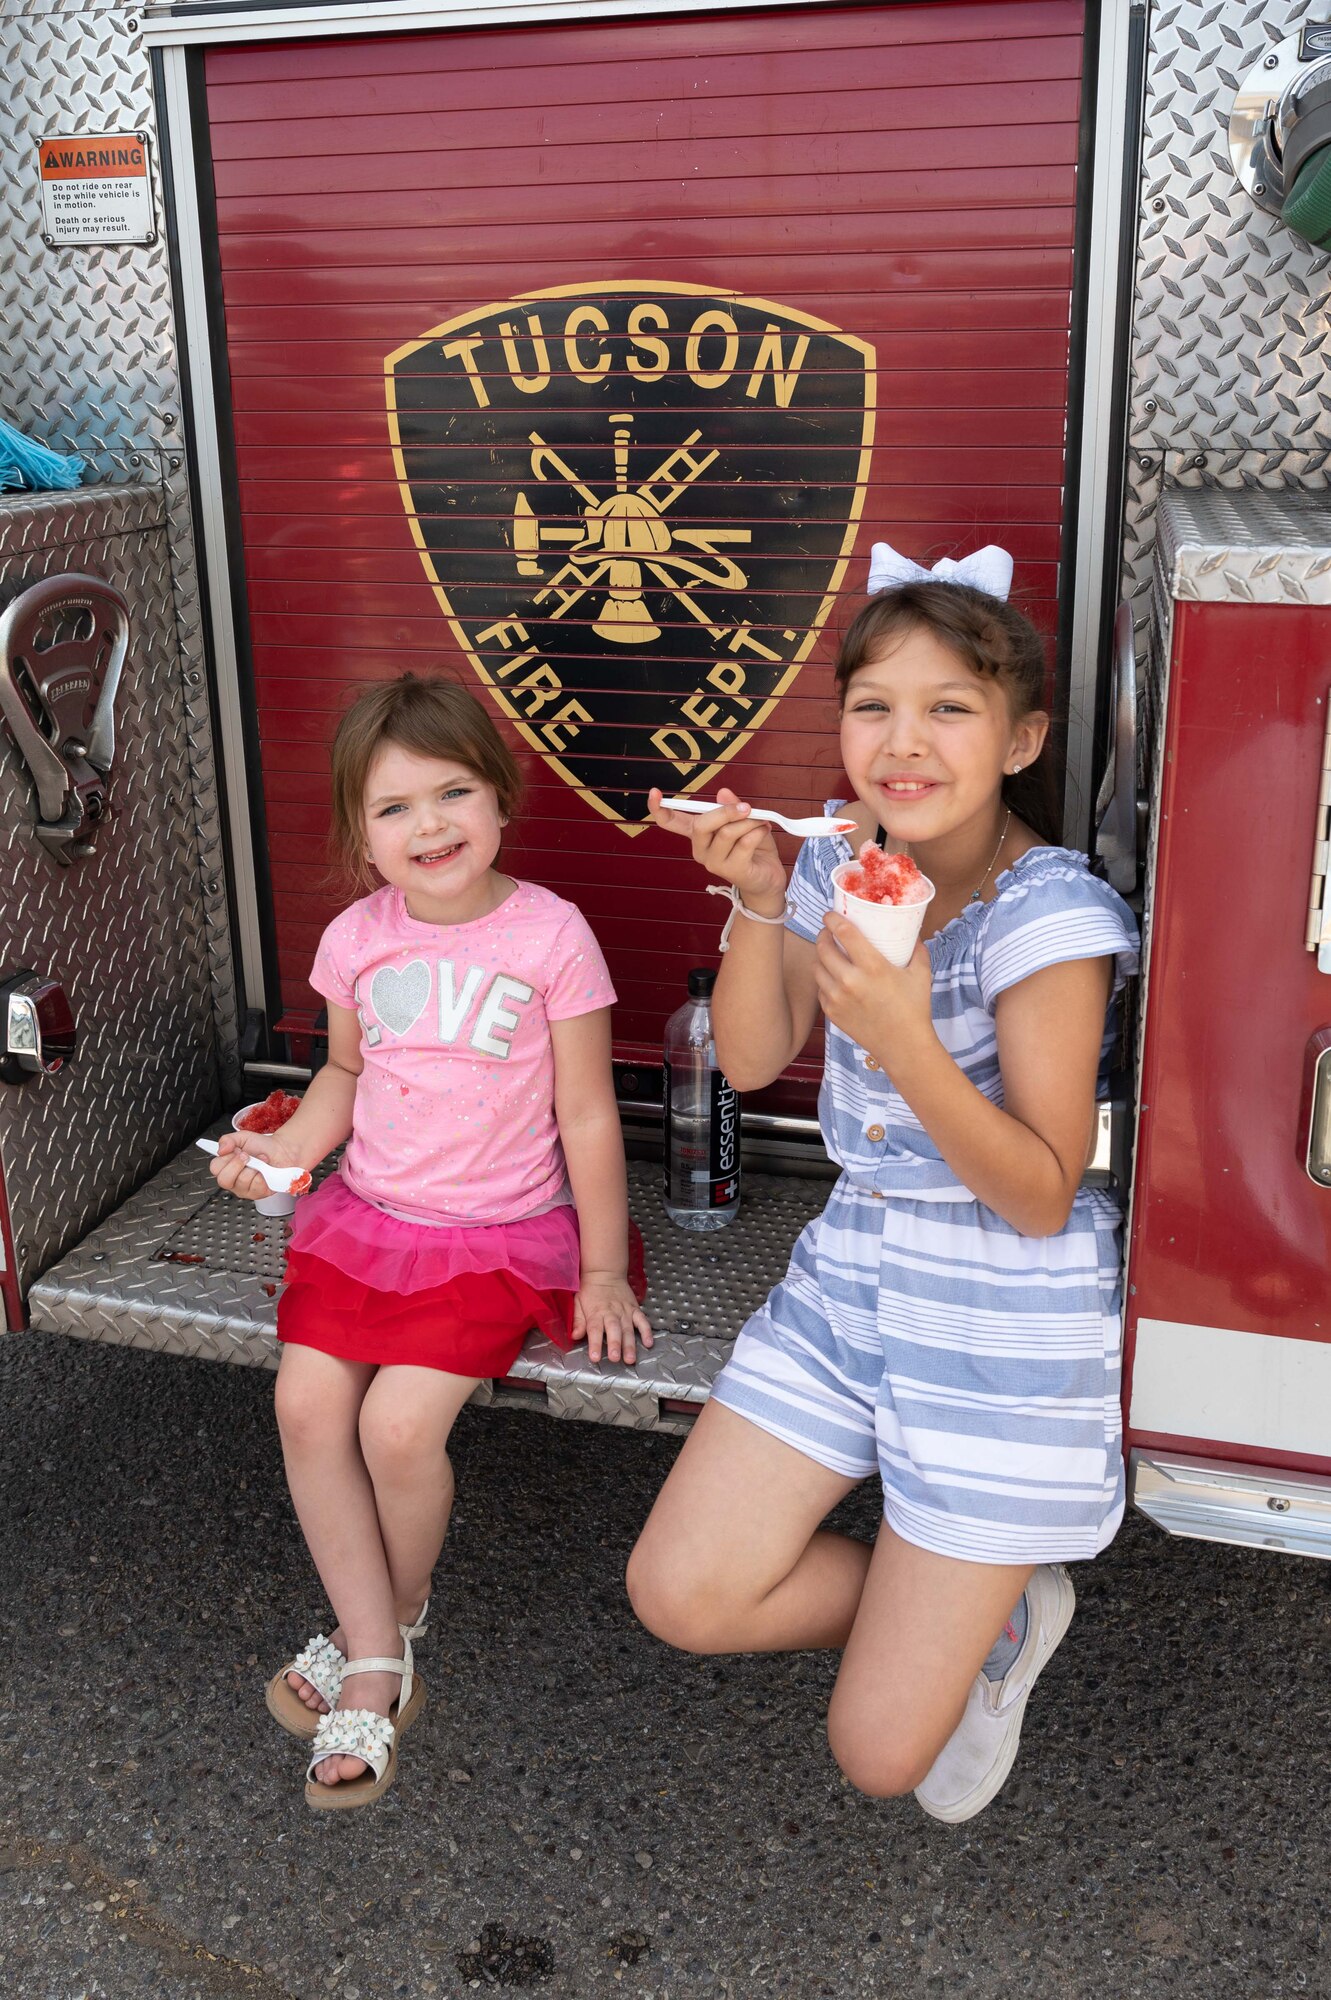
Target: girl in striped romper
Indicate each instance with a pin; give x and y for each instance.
(952, 1319)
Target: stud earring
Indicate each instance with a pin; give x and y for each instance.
(1015, 769)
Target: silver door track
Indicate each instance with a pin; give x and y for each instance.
(184, 1269)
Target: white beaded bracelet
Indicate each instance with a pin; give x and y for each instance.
(737, 909)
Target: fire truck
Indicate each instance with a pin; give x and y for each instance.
(582, 348)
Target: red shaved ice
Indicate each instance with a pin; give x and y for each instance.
(276, 1108)
(885, 878)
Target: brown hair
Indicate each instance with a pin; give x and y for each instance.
(435, 717)
(994, 639)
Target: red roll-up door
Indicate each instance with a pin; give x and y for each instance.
(589, 359)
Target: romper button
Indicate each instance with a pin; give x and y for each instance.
(874, 1134)
(869, 1063)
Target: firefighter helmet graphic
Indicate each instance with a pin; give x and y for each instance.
(635, 504)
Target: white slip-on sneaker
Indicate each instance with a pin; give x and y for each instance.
(973, 1764)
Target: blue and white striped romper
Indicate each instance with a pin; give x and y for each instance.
(915, 1329)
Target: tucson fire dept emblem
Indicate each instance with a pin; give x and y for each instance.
(635, 504)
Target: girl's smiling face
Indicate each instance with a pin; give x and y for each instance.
(926, 741)
(432, 829)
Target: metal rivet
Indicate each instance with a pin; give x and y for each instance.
(1150, 406)
(1199, 461)
(174, 464)
(1272, 62)
(1158, 205)
(1143, 464)
(1259, 187)
(1278, 1504)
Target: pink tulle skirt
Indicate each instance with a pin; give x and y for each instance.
(388, 1255)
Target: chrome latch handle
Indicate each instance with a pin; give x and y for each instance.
(63, 643)
(1315, 1120)
(37, 1031)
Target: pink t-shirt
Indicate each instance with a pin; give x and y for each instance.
(454, 1118)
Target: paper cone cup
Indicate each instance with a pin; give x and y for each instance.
(893, 928)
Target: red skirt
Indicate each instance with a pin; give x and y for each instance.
(474, 1324)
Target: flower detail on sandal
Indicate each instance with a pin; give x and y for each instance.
(353, 1732)
(321, 1664)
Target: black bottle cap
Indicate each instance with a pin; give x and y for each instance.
(701, 981)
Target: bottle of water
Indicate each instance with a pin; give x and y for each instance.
(701, 1118)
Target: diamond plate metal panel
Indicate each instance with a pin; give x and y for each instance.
(124, 929)
(1231, 343)
(181, 1268)
(1229, 367)
(87, 359)
(1245, 546)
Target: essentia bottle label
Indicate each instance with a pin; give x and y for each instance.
(704, 1153)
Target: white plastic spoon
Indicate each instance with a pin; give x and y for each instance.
(280, 1180)
(814, 826)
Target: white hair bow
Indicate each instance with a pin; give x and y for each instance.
(989, 569)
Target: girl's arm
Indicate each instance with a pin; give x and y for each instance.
(322, 1122)
(593, 1140)
(1026, 1160)
(766, 1000)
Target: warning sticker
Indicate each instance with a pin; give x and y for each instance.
(96, 188)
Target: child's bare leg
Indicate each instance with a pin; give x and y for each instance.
(922, 1632)
(318, 1403)
(733, 1559)
(405, 1423)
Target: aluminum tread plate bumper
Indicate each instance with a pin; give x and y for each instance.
(1224, 1500)
(183, 1269)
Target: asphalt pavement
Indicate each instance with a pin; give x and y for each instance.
(581, 1812)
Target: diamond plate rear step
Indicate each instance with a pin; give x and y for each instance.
(184, 1269)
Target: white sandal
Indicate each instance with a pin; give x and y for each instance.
(359, 1732)
(323, 1665)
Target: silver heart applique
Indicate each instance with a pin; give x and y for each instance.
(400, 998)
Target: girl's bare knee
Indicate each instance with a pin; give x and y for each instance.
(672, 1606)
(303, 1416)
(880, 1765)
(396, 1441)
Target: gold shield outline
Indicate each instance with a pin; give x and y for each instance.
(648, 288)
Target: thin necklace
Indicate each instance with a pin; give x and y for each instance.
(974, 896)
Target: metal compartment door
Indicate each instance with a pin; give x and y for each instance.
(590, 358)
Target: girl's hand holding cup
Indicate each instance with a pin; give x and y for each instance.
(885, 1008)
(733, 847)
(230, 1171)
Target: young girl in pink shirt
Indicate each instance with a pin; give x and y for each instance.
(482, 1193)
